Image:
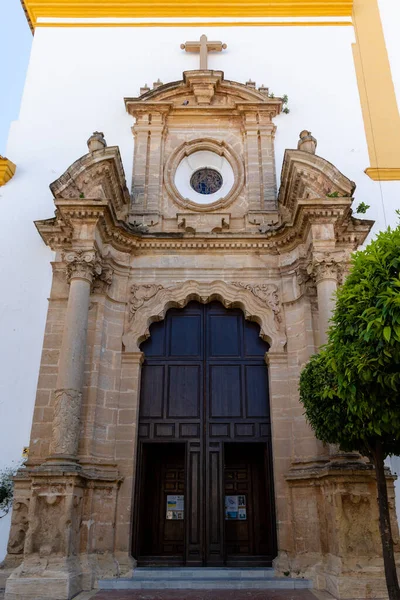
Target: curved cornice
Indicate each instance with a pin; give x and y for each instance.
(96, 175)
(306, 176)
(202, 86)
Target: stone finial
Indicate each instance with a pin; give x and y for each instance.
(157, 83)
(144, 89)
(263, 89)
(307, 142)
(96, 141)
(251, 83)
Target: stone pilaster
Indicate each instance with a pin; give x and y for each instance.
(252, 160)
(267, 160)
(260, 159)
(147, 173)
(155, 163)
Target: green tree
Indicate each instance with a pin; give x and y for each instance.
(350, 390)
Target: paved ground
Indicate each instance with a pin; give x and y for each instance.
(205, 595)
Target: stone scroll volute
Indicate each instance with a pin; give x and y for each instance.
(152, 302)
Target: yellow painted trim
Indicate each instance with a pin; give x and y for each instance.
(383, 174)
(206, 24)
(84, 9)
(7, 170)
(377, 94)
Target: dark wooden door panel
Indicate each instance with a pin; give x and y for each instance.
(205, 382)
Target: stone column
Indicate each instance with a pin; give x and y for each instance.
(82, 266)
(325, 272)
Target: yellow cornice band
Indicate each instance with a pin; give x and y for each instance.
(7, 170)
(383, 174)
(86, 9)
(203, 24)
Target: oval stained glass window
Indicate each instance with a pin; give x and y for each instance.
(206, 181)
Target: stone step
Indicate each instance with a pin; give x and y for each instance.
(201, 572)
(208, 578)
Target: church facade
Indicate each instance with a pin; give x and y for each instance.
(186, 296)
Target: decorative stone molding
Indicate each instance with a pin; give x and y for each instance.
(266, 292)
(7, 170)
(203, 223)
(210, 145)
(66, 422)
(231, 296)
(139, 295)
(83, 264)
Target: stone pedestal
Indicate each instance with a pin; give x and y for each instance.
(336, 538)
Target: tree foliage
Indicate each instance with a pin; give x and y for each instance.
(351, 390)
(6, 490)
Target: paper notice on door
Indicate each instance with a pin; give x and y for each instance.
(235, 508)
(175, 507)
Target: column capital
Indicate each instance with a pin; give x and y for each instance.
(82, 264)
(327, 266)
(88, 265)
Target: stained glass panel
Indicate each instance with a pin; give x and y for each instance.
(206, 181)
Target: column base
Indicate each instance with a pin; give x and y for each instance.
(45, 579)
(336, 540)
(353, 578)
(63, 578)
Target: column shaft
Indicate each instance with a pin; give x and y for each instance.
(326, 289)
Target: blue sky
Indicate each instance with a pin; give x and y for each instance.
(15, 45)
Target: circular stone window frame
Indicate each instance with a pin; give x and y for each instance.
(217, 147)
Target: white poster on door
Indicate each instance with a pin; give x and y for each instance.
(175, 507)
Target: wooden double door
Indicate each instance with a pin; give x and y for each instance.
(204, 485)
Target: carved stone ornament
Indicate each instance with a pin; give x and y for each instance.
(103, 281)
(139, 295)
(19, 527)
(149, 303)
(306, 282)
(66, 422)
(267, 293)
(83, 264)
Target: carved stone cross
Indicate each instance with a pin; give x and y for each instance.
(204, 47)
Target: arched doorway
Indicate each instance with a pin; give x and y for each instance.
(204, 493)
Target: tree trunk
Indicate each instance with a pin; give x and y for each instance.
(384, 524)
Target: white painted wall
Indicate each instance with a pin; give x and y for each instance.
(76, 82)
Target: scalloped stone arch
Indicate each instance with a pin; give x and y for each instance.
(229, 295)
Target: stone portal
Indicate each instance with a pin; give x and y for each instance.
(126, 259)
